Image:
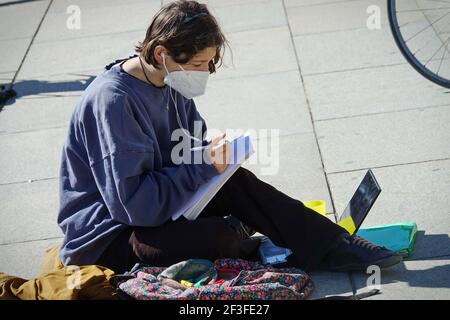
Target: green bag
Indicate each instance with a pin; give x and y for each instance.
(399, 237)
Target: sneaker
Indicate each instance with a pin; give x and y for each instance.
(353, 253)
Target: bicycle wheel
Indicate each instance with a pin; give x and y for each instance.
(421, 30)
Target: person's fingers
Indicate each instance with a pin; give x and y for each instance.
(220, 153)
(218, 138)
(225, 153)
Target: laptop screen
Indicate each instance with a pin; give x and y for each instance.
(362, 200)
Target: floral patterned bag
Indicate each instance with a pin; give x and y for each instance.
(226, 279)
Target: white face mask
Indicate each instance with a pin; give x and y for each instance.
(189, 83)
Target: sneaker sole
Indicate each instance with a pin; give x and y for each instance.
(385, 263)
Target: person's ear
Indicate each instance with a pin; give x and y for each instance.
(159, 53)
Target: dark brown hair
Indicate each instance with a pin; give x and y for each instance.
(184, 28)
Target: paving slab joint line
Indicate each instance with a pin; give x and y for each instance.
(28, 181)
(388, 166)
(379, 66)
(386, 112)
(5, 133)
(309, 105)
(28, 241)
(31, 43)
(320, 4)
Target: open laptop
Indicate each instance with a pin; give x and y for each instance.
(362, 200)
(357, 209)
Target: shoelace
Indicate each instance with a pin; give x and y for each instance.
(361, 242)
(247, 230)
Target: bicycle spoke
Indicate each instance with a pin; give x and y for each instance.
(442, 46)
(417, 10)
(421, 31)
(443, 55)
(429, 26)
(424, 46)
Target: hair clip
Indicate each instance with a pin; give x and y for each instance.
(189, 19)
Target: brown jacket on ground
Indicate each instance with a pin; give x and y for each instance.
(57, 282)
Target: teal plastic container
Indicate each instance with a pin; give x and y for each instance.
(399, 237)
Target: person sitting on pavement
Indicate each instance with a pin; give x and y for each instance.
(120, 185)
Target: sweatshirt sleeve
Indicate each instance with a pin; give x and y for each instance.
(122, 162)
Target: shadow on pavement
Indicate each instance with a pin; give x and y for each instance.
(47, 88)
(36, 87)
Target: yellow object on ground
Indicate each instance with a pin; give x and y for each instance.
(186, 283)
(317, 205)
(348, 224)
(320, 207)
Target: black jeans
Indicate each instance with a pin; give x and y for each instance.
(286, 221)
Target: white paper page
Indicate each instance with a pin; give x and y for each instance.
(241, 149)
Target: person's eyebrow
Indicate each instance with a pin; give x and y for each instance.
(200, 60)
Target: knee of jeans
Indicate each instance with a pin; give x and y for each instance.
(241, 171)
(226, 240)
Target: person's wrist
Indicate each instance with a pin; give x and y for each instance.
(206, 166)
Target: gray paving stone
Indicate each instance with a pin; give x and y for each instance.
(29, 211)
(247, 45)
(344, 50)
(248, 104)
(24, 259)
(298, 171)
(370, 91)
(304, 3)
(241, 15)
(13, 52)
(60, 6)
(119, 18)
(385, 139)
(33, 114)
(330, 284)
(226, 3)
(410, 193)
(412, 280)
(333, 16)
(250, 15)
(6, 78)
(73, 55)
(25, 17)
(31, 155)
(244, 46)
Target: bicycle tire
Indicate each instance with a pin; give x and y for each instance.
(406, 52)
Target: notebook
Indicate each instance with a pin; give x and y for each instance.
(241, 148)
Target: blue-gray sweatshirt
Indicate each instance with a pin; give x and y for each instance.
(116, 169)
